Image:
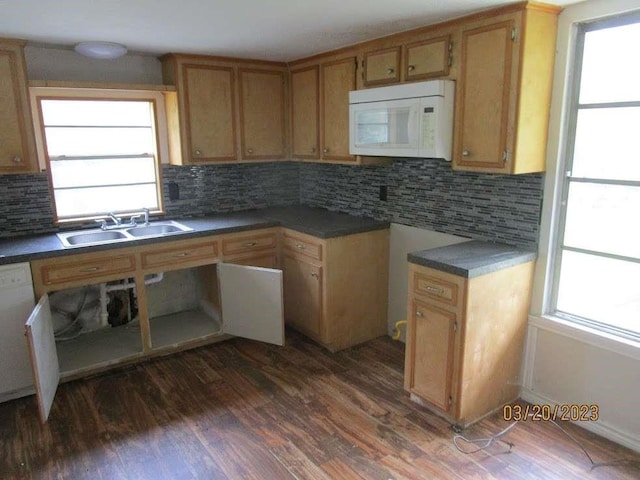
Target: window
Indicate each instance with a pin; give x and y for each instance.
(597, 275)
(101, 150)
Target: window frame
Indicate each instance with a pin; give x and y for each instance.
(160, 130)
(564, 180)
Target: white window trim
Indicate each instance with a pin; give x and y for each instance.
(157, 97)
(161, 127)
(556, 147)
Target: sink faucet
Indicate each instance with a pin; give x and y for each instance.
(116, 221)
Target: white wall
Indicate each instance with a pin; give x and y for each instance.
(565, 364)
(404, 240)
(44, 63)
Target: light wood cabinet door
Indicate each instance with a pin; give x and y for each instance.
(305, 105)
(484, 89)
(262, 120)
(210, 113)
(338, 78)
(431, 341)
(382, 67)
(17, 144)
(428, 58)
(303, 295)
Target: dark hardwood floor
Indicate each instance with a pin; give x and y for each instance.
(244, 410)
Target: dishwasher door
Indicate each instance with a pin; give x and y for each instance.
(16, 304)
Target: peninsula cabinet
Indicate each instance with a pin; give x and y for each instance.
(186, 295)
(17, 142)
(465, 340)
(336, 288)
(504, 91)
(226, 110)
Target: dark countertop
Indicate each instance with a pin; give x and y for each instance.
(314, 221)
(471, 259)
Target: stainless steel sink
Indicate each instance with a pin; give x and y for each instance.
(154, 229)
(99, 237)
(74, 239)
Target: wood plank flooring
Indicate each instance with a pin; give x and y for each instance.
(244, 410)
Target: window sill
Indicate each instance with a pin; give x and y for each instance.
(584, 334)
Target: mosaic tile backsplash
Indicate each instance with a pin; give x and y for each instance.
(427, 193)
(423, 193)
(25, 207)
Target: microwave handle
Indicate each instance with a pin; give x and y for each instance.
(413, 125)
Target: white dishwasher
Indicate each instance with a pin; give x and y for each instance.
(16, 304)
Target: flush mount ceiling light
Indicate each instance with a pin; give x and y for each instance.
(104, 50)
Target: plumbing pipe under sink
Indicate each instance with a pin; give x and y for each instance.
(124, 285)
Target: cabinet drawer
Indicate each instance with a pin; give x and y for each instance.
(73, 270)
(248, 243)
(304, 247)
(179, 255)
(432, 285)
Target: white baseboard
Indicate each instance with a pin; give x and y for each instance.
(600, 428)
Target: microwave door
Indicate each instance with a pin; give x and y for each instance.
(385, 128)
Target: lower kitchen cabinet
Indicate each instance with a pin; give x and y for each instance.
(336, 288)
(465, 340)
(174, 295)
(303, 298)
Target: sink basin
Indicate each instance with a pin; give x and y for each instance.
(163, 228)
(124, 234)
(84, 238)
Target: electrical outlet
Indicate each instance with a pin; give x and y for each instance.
(383, 193)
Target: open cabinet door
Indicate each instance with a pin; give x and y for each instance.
(252, 305)
(44, 356)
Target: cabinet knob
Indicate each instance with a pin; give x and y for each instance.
(325, 150)
(315, 275)
(249, 244)
(197, 153)
(411, 68)
(17, 159)
(466, 153)
(249, 150)
(299, 246)
(390, 71)
(313, 149)
(419, 314)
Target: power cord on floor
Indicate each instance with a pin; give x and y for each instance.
(483, 443)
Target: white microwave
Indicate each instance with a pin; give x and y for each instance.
(409, 120)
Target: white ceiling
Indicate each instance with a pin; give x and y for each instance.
(261, 29)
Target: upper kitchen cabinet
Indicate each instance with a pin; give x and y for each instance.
(504, 91)
(338, 78)
(382, 67)
(17, 144)
(305, 109)
(262, 117)
(224, 103)
(428, 58)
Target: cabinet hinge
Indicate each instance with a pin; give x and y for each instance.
(514, 34)
(450, 62)
(505, 156)
(450, 46)
(450, 400)
(455, 326)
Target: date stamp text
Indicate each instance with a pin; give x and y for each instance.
(574, 412)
